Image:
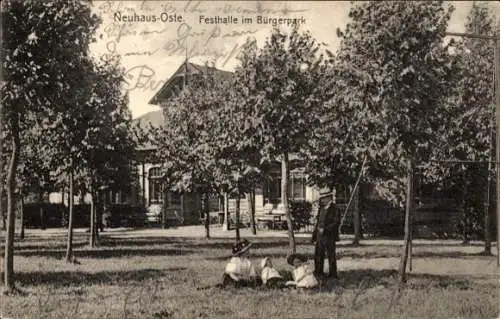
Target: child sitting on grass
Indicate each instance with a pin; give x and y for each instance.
(303, 273)
(240, 271)
(271, 278)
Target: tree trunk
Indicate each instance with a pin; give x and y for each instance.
(205, 210)
(21, 235)
(252, 211)
(487, 216)
(63, 195)
(69, 250)
(81, 199)
(104, 208)
(92, 241)
(98, 205)
(227, 217)
(487, 221)
(357, 217)
(2, 208)
(164, 209)
(465, 221)
(42, 212)
(237, 217)
(408, 214)
(284, 201)
(11, 185)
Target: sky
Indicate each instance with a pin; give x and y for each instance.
(151, 51)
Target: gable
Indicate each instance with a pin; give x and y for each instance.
(176, 82)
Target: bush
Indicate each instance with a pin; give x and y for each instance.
(301, 213)
(382, 219)
(81, 216)
(125, 215)
(52, 215)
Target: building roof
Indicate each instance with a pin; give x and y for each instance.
(155, 118)
(175, 82)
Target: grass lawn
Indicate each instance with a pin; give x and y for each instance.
(158, 277)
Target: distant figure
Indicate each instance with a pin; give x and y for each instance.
(240, 271)
(324, 235)
(303, 273)
(271, 278)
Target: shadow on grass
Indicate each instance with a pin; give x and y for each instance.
(362, 279)
(227, 245)
(106, 253)
(423, 254)
(140, 241)
(257, 256)
(19, 246)
(76, 278)
(193, 242)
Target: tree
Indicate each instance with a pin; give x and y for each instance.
(182, 142)
(41, 39)
(397, 71)
(204, 145)
(108, 142)
(33, 171)
(332, 156)
(282, 79)
(470, 135)
(234, 150)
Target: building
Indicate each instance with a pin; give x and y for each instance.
(187, 206)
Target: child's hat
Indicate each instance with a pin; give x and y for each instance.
(240, 247)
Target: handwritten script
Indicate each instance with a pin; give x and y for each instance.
(218, 43)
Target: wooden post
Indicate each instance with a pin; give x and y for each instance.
(225, 225)
(206, 212)
(357, 217)
(164, 207)
(143, 168)
(92, 239)
(497, 98)
(487, 213)
(237, 210)
(408, 213)
(21, 235)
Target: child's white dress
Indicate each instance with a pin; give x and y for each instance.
(240, 268)
(303, 277)
(269, 273)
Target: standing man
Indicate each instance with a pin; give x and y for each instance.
(324, 235)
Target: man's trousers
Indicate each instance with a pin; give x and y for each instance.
(325, 248)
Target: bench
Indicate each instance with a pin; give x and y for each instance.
(270, 221)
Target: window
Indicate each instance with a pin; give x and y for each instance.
(297, 186)
(154, 172)
(155, 186)
(134, 173)
(272, 190)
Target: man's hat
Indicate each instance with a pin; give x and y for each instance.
(240, 247)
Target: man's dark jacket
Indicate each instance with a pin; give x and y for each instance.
(327, 223)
